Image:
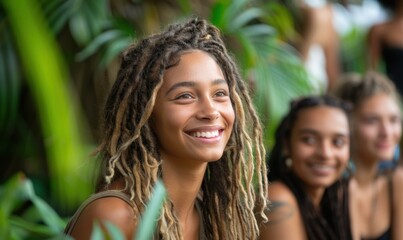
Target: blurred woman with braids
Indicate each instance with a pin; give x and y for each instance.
(376, 199)
(179, 111)
(308, 199)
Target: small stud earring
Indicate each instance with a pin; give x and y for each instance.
(288, 162)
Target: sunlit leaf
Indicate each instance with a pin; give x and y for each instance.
(150, 217)
(258, 30)
(49, 216)
(114, 231)
(47, 79)
(97, 233)
(245, 17)
(113, 49)
(80, 29)
(97, 43)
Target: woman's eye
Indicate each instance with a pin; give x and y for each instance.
(395, 119)
(185, 96)
(221, 93)
(309, 140)
(369, 120)
(339, 142)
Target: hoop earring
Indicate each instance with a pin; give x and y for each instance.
(288, 162)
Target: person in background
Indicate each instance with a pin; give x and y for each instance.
(308, 198)
(179, 111)
(375, 201)
(385, 43)
(318, 42)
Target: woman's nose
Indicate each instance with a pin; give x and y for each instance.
(325, 150)
(386, 128)
(207, 109)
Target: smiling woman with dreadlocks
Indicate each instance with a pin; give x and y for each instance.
(310, 153)
(178, 111)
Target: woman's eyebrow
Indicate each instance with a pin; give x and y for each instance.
(219, 81)
(181, 84)
(192, 84)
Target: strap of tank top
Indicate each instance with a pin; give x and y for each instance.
(390, 186)
(108, 193)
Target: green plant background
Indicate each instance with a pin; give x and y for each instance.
(58, 59)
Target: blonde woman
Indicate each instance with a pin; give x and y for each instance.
(375, 204)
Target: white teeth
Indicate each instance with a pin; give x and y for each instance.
(205, 134)
(323, 167)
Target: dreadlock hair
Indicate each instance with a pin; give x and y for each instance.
(356, 88)
(332, 221)
(129, 149)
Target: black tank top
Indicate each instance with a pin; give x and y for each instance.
(393, 59)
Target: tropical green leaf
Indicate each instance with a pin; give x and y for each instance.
(97, 233)
(279, 77)
(4, 98)
(11, 195)
(113, 49)
(80, 29)
(258, 30)
(13, 84)
(47, 79)
(150, 217)
(245, 17)
(59, 12)
(94, 46)
(114, 231)
(49, 216)
(33, 229)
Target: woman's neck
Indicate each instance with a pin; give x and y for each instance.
(315, 194)
(365, 171)
(183, 186)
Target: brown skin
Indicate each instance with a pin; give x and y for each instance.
(109, 209)
(319, 148)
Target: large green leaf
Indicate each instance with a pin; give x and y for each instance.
(148, 221)
(47, 79)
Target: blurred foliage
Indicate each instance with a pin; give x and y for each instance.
(24, 215)
(353, 51)
(272, 67)
(47, 80)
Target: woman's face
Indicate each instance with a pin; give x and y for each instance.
(377, 128)
(319, 145)
(193, 115)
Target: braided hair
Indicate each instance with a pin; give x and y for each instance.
(332, 222)
(129, 150)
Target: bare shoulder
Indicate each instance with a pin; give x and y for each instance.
(397, 222)
(283, 204)
(107, 209)
(285, 220)
(397, 182)
(398, 175)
